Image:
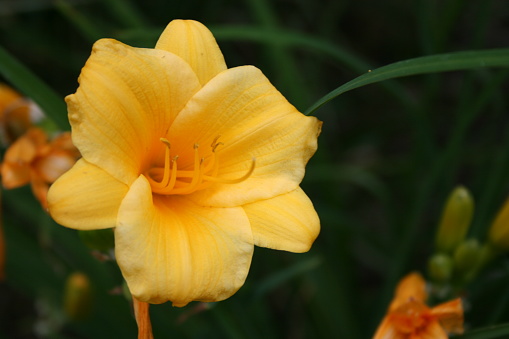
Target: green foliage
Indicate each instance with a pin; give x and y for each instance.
(388, 156)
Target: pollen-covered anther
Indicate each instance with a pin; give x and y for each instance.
(170, 180)
(215, 144)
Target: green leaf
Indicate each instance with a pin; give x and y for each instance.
(498, 331)
(428, 64)
(31, 86)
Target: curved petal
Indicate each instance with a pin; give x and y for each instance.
(387, 330)
(15, 174)
(86, 198)
(194, 43)
(127, 99)
(450, 315)
(253, 120)
(433, 331)
(168, 248)
(53, 165)
(8, 96)
(25, 149)
(411, 287)
(40, 190)
(287, 222)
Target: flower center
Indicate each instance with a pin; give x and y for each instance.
(170, 179)
(411, 317)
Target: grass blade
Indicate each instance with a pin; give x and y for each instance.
(422, 65)
(499, 331)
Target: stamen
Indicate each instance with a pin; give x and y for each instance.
(214, 142)
(167, 155)
(203, 174)
(173, 178)
(166, 142)
(166, 171)
(212, 165)
(197, 175)
(233, 181)
(215, 146)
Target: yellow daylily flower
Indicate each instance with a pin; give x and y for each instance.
(192, 164)
(409, 317)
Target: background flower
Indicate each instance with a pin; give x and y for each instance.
(408, 316)
(35, 160)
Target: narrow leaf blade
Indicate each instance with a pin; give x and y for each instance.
(422, 65)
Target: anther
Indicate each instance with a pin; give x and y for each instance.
(166, 142)
(214, 142)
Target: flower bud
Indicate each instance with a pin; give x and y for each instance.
(440, 267)
(456, 218)
(466, 257)
(101, 240)
(499, 232)
(77, 296)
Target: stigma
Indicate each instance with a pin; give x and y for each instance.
(170, 180)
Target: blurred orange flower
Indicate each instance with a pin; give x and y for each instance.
(409, 317)
(16, 114)
(33, 159)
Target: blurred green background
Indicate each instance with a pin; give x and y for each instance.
(388, 156)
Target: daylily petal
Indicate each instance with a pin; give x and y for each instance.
(8, 96)
(24, 150)
(450, 315)
(52, 166)
(93, 201)
(15, 175)
(194, 43)
(40, 190)
(386, 330)
(411, 287)
(126, 101)
(253, 120)
(287, 222)
(168, 248)
(432, 331)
